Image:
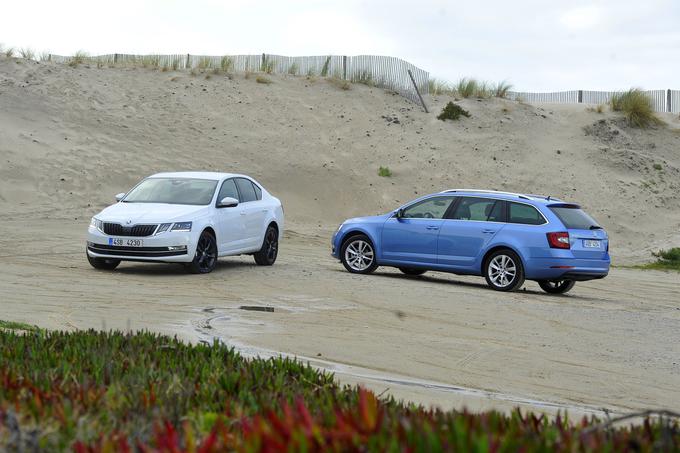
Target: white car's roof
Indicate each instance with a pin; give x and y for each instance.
(196, 174)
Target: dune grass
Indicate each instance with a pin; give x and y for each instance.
(262, 79)
(363, 77)
(469, 88)
(636, 107)
(339, 82)
(27, 53)
(9, 52)
(665, 260)
(227, 64)
(293, 69)
(100, 392)
(78, 58)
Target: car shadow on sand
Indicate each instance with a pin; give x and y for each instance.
(481, 285)
(175, 269)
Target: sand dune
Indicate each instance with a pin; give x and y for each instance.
(70, 138)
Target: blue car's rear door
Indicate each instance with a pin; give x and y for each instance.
(467, 231)
(412, 239)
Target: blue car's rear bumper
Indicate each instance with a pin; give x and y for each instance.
(566, 268)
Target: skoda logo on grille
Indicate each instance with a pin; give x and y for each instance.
(129, 222)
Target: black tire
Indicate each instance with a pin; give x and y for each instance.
(360, 259)
(270, 247)
(556, 286)
(105, 264)
(205, 258)
(412, 271)
(497, 274)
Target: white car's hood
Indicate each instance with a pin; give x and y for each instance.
(136, 213)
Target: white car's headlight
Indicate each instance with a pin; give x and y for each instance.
(97, 224)
(181, 226)
(163, 227)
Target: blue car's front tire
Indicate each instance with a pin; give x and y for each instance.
(358, 254)
(503, 270)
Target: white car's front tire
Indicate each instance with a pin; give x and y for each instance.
(205, 258)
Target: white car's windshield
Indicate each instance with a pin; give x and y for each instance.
(173, 191)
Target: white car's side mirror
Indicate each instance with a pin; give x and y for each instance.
(120, 196)
(227, 202)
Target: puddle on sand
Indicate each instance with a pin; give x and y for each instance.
(207, 333)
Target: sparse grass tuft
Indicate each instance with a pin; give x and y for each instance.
(364, 77)
(597, 109)
(78, 58)
(27, 53)
(466, 87)
(453, 112)
(263, 79)
(45, 56)
(636, 107)
(384, 172)
(339, 82)
(9, 52)
(176, 63)
(204, 63)
(658, 167)
(293, 69)
(438, 86)
(267, 65)
(227, 64)
(501, 89)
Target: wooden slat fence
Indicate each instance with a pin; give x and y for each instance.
(381, 71)
(662, 100)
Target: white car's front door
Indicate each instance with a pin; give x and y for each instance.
(254, 213)
(231, 222)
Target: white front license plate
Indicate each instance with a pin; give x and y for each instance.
(126, 242)
(591, 244)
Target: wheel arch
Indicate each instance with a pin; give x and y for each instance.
(496, 248)
(357, 232)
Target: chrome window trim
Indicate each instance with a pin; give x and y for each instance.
(547, 222)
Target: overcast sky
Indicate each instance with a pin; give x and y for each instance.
(536, 45)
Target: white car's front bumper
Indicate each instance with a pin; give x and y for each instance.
(174, 247)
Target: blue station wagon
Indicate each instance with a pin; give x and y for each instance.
(504, 237)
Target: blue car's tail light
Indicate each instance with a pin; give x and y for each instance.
(559, 240)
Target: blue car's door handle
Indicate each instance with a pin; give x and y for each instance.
(488, 231)
(432, 227)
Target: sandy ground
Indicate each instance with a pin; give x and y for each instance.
(70, 138)
(437, 339)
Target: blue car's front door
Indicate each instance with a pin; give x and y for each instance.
(412, 238)
(468, 230)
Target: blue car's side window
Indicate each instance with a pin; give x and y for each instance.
(525, 214)
(478, 209)
(432, 208)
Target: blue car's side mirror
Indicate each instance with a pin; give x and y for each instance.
(399, 214)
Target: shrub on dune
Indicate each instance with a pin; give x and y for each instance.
(453, 112)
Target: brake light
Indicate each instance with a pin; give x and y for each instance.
(558, 240)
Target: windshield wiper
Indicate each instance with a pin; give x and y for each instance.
(595, 227)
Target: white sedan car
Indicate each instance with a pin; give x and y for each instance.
(190, 218)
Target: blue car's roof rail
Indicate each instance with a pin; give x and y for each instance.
(519, 195)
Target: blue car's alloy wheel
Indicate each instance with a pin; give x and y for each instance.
(504, 271)
(358, 255)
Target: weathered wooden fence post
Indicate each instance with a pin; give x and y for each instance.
(410, 74)
(580, 96)
(669, 108)
(186, 64)
(115, 58)
(344, 67)
(262, 62)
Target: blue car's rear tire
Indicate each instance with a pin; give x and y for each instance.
(503, 270)
(556, 286)
(358, 255)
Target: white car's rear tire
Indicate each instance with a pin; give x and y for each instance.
(266, 256)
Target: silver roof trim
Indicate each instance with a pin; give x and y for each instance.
(500, 192)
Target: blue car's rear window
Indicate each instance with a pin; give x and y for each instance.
(574, 218)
